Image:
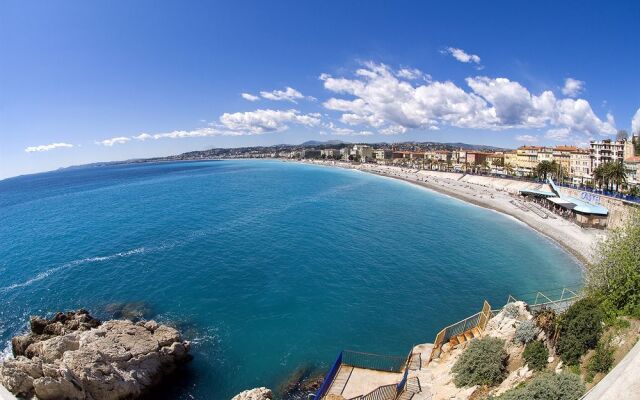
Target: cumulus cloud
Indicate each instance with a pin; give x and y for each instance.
(558, 134)
(116, 140)
(462, 55)
(635, 123)
(411, 74)
(527, 138)
(47, 147)
(572, 87)
(344, 131)
(143, 137)
(379, 98)
(250, 97)
(263, 121)
(288, 94)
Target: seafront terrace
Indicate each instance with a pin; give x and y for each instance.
(357, 375)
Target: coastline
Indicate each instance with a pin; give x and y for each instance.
(577, 241)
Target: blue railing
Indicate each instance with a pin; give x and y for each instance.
(403, 382)
(603, 192)
(373, 361)
(328, 379)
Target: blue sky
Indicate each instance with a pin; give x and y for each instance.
(86, 81)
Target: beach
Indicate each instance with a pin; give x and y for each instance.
(496, 194)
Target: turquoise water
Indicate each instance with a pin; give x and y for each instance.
(265, 265)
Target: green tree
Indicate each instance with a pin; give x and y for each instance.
(536, 355)
(544, 168)
(617, 173)
(614, 279)
(580, 329)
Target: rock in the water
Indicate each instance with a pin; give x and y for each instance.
(74, 356)
(261, 393)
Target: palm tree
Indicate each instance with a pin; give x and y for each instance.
(508, 168)
(599, 176)
(617, 174)
(544, 168)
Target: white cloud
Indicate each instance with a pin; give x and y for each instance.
(200, 132)
(526, 138)
(462, 55)
(143, 137)
(249, 97)
(411, 74)
(115, 140)
(344, 131)
(379, 98)
(572, 87)
(47, 147)
(635, 123)
(558, 134)
(262, 121)
(288, 94)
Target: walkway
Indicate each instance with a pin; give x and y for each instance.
(622, 382)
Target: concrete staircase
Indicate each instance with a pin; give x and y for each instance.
(340, 380)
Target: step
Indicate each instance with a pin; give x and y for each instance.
(468, 335)
(476, 332)
(461, 339)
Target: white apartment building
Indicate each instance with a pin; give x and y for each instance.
(606, 151)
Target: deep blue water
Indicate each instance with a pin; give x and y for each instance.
(265, 265)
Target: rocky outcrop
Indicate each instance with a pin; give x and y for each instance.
(261, 393)
(75, 356)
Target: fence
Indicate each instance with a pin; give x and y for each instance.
(373, 361)
(556, 299)
(328, 379)
(478, 320)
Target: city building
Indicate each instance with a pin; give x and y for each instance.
(527, 159)
(606, 151)
(580, 167)
(362, 152)
(562, 156)
(632, 167)
(330, 153)
(309, 153)
(382, 154)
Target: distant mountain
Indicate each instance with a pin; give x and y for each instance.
(319, 142)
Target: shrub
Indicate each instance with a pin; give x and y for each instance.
(615, 276)
(511, 310)
(580, 329)
(548, 386)
(546, 319)
(482, 363)
(536, 355)
(526, 331)
(602, 360)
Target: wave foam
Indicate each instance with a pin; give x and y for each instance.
(44, 274)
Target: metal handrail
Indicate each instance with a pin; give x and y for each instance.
(328, 379)
(373, 361)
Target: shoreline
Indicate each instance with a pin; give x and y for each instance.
(576, 241)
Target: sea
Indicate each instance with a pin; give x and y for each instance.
(269, 268)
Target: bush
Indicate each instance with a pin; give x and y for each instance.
(482, 363)
(526, 331)
(580, 329)
(511, 310)
(546, 319)
(548, 386)
(602, 360)
(536, 355)
(615, 276)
